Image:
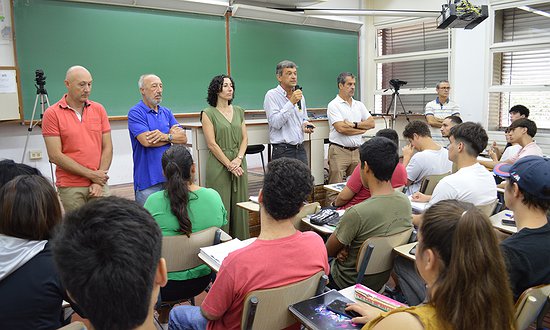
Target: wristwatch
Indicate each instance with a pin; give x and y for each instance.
(354, 124)
(170, 138)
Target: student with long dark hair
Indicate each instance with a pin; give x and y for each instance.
(183, 208)
(31, 293)
(459, 259)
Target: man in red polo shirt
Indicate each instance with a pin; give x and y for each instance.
(78, 140)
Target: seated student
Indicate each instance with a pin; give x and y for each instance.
(354, 192)
(30, 290)
(108, 256)
(387, 212)
(280, 256)
(509, 151)
(467, 282)
(518, 111)
(183, 208)
(430, 158)
(448, 123)
(522, 131)
(10, 169)
(527, 193)
(472, 182)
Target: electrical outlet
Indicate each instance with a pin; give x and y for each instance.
(35, 154)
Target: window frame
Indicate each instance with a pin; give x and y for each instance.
(495, 90)
(445, 53)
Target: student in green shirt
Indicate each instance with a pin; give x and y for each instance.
(183, 208)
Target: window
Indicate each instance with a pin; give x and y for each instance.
(416, 53)
(520, 53)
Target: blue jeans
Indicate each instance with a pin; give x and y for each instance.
(186, 318)
(281, 150)
(141, 195)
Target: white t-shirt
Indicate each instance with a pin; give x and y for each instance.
(338, 110)
(424, 163)
(473, 184)
(441, 111)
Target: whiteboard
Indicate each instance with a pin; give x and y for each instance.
(9, 97)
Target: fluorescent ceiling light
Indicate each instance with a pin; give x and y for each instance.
(372, 12)
(281, 16)
(216, 8)
(534, 11)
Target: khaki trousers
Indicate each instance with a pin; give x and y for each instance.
(341, 162)
(74, 197)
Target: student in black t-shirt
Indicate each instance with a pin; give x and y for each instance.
(527, 193)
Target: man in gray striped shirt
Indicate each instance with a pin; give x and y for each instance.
(286, 112)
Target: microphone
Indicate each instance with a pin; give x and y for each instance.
(299, 102)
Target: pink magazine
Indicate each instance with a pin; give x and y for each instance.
(364, 294)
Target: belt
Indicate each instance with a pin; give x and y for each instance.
(347, 148)
(288, 145)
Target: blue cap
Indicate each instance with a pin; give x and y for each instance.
(532, 173)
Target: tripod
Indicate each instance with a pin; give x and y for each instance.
(42, 95)
(394, 96)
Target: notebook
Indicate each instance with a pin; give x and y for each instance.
(216, 253)
(313, 313)
(375, 299)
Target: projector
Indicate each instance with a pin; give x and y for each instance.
(461, 14)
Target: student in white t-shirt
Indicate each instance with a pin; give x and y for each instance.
(429, 159)
(472, 183)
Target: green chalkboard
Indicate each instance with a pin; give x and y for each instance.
(117, 45)
(321, 54)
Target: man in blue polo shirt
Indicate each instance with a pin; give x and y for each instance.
(153, 129)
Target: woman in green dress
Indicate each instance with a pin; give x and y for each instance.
(225, 133)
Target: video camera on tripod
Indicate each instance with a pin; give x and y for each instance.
(40, 100)
(40, 80)
(396, 83)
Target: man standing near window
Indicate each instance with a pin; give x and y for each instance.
(440, 108)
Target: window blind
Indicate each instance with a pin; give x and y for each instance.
(419, 74)
(523, 67)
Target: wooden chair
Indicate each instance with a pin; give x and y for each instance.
(181, 253)
(268, 308)
(429, 182)
(308, 209)
(489, 208)
(375, 255)
(531, 306)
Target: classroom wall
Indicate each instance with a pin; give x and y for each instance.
(469, 67)
(13, 135)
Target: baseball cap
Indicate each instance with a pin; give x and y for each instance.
(532, 173)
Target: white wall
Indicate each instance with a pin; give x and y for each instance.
(12, 143)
